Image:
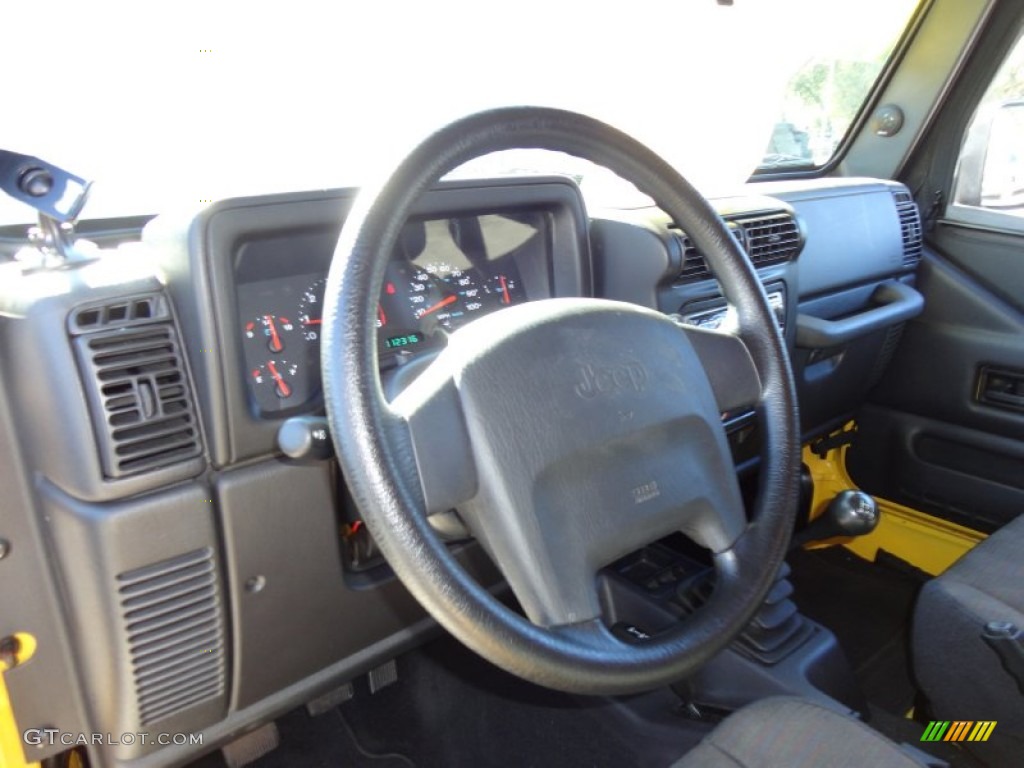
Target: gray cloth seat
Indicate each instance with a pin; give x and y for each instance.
(960, 675)
(788, 732)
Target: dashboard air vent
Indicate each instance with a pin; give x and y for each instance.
(773, 239)
(175, 630)
(695, 266)
(910, 226)
(140, 396)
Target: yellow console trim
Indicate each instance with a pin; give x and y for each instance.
(924, 541)
(11, 748)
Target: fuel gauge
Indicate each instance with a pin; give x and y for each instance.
(275, 384)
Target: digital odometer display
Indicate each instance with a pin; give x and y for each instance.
(400, 342)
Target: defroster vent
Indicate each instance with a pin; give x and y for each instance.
(141, 400)
(910, 227)
(175, 629)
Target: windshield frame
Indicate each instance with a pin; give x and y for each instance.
(864, 112)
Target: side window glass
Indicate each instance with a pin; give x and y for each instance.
(990, 170)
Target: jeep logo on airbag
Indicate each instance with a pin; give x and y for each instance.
(597, 380)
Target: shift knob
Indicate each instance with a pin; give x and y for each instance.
(850, 513)
(853, 513)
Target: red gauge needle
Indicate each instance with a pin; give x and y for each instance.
(282, 386)
(275, 340)
(440, 305)
(308, 321)
(504, 291)
(381, 316)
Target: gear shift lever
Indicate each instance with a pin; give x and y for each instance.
(850, 513)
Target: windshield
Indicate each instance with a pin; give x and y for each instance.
(164, 105)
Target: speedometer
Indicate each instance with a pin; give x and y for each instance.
(447, 295)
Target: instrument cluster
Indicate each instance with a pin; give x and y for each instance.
(443, 274)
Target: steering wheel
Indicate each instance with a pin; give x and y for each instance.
(566, 432)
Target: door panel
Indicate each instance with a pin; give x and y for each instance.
(959, 474)
(992, 258)
(932, 437)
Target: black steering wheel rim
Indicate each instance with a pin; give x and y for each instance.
(378, 459)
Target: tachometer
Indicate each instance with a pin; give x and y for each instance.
(310, 310)
(310, 318)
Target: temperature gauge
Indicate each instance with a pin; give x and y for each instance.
(272, 330)
(503, 291)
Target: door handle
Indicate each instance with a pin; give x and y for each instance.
(1001, 388)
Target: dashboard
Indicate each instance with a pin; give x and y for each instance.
(182, 368)
(443, 273)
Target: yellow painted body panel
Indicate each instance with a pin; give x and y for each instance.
(11, 747)
(924, 541)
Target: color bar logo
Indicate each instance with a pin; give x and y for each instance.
(958, 730)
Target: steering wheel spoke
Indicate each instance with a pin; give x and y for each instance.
(433, 413)
(556, 586)
(729, 367)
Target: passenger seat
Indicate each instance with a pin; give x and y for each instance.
(963, 676)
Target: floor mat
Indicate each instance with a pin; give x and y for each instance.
(452, 708)
(868, 606)
(326, 741)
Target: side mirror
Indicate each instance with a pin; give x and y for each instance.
(991, 169)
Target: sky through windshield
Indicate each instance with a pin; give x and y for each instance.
(174, 103)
